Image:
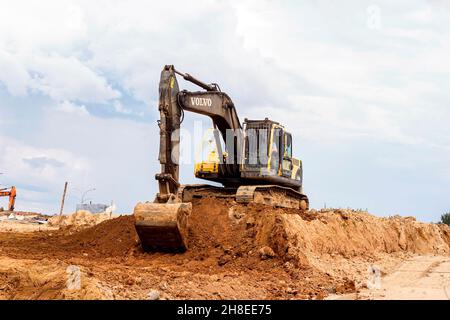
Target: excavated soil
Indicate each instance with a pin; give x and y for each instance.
(235, 252)
(79, 219)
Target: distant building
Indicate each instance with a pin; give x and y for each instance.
(92, 207)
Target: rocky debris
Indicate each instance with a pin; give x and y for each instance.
(224, 259)
(266, 253)
(346, 286)
(153, 295)
(235, 213)
(250, 222)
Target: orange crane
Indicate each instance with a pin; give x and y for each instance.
(11, 193)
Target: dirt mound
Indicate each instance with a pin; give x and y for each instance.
(223, 231)
(26, 279)
(253, 236)
(80, 218)
(350, 233)
(110, 238)
(115, 237)
(243, 230)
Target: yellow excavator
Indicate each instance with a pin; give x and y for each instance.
(253, 161)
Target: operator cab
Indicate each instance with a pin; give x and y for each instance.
(267, 148)
(266, 157)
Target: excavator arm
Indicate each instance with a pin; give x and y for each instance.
(172, 104)
(163, 223)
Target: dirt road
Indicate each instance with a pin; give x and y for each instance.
(419, 278)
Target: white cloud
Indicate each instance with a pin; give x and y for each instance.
(40, 45)
(71, 108)
(61, 78)
(13, 74)
(16, 158)
(68, 78)
(49, 25)
(118, 107)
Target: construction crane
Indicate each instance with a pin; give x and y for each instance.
(253, 162)
(11, 193)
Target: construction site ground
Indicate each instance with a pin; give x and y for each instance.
(236, 252)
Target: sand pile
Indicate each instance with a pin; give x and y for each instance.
(80, 218)
(115, 237)
(349, 234)
(245, 234)
(26, 279)
(111, 238)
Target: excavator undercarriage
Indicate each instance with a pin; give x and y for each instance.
(253, 161)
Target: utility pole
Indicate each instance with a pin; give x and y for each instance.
(63, 199)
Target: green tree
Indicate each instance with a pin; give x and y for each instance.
(445, 218)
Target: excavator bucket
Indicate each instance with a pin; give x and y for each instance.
(162, 226)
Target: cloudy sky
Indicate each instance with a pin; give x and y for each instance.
(363, 86)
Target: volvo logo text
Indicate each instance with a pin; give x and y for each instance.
(201, 102)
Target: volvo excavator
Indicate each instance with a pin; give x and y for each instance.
(252, 161)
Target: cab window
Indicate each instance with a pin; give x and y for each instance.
(288, 145)
(275, 149)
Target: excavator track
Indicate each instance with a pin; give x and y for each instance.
(271, 195)
(188, 192)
